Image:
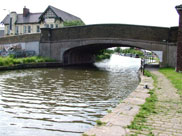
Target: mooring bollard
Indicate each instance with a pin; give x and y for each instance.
(142, 65)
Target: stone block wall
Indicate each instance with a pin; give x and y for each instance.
(20, 38)
(29, 42)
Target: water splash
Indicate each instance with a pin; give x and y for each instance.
(120, 64)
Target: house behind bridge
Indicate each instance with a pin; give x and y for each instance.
(28, 23)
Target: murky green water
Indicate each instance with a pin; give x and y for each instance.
(61, 101)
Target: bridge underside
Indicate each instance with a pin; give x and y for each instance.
(83, 55)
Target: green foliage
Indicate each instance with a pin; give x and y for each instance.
(10, 61)
(104, 54)
(174, 77)
(73, 23)
(84, 135)
(109, 111)
(118, 50)
(150, 134)
(100, 123)
(133, 51)
(147, 73)
(146, 109)
(87, 135)
(133, 135)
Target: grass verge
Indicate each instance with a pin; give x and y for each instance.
(10, 61)
(146, 109)
(174, 77)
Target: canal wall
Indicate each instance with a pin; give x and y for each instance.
(116, 122)
(28, 42)
(32, 65)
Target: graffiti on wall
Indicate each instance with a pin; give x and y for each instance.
(15, 49)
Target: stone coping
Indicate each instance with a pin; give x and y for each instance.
(115, 123)
(32, 65)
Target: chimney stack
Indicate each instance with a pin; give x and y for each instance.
(25, 12)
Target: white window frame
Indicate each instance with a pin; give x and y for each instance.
(24, 29)
(29, 29)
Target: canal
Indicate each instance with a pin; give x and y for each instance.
(63, 101)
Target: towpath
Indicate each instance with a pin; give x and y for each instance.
(168, 120)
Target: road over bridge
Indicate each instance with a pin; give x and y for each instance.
(78, 45)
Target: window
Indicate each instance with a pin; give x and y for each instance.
(17, 30)
(29, 29)
(51, 26)
(38, 28)
(46, 25)
(8, 29)
(56, 25)
(10, 23)
(25, 29)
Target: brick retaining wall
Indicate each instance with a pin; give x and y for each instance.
(20, 38)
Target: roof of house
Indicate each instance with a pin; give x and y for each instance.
(35, 17)
(61, 14)
(31, 18)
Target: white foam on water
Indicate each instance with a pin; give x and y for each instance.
(119, 63)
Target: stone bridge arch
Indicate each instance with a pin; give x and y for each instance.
(76, 45)
(82, 51)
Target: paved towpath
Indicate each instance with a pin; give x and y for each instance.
(168, 120)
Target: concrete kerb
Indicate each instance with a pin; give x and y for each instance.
(117, 121)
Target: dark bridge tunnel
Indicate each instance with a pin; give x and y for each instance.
(85, 54)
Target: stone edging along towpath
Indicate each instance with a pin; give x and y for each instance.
(116, 122)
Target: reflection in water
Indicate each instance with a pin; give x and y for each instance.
(62, 101)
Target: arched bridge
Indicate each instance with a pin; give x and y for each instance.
(77, 45)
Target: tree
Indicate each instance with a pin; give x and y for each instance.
(73, 23)
(118, 50)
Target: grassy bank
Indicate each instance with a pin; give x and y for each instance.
(174, 77)
(146, 109)
(10, 61)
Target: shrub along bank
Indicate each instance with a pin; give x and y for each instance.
(11, 61)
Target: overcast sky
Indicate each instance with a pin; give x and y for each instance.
(139, 12)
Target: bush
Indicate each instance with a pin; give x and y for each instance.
(10, 61)
(73, 23)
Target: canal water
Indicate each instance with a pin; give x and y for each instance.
(63, 101)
